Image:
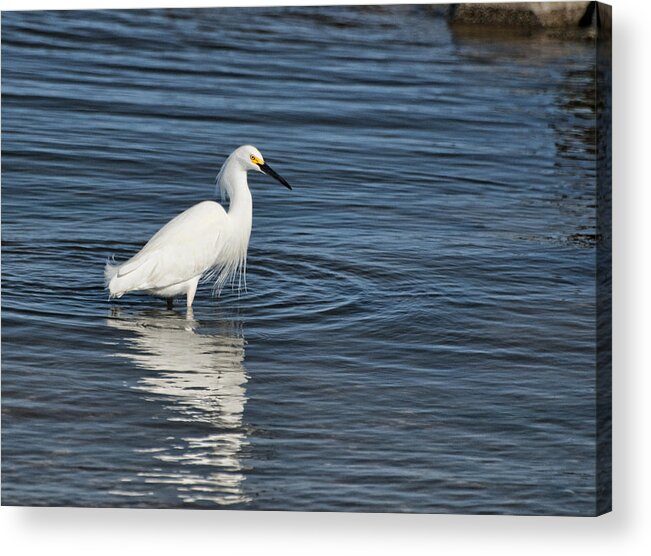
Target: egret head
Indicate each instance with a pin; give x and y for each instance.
(251, 159)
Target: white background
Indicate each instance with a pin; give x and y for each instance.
(625, 531)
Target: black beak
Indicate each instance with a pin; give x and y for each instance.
(267, 170)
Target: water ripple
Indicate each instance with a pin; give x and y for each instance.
(418, 329)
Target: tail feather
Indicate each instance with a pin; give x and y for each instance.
(110, 278)
(110, 272)
(132, 275)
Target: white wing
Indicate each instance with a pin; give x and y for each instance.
(186, 247)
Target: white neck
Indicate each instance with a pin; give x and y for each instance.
(232, 180)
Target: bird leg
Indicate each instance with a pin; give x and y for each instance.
(170, 303)
(192, 289)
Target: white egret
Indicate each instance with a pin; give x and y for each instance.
(203, 240)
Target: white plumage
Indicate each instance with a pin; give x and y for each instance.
(205, 240)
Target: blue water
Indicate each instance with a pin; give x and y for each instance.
(418, 333)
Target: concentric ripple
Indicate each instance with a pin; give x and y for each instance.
(417, 332)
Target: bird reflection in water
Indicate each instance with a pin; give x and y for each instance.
(203, 376)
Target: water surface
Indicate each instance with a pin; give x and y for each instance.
(418, 330)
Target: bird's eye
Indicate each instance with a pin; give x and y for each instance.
(253, 157)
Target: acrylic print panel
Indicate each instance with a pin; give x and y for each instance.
(424, 322)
